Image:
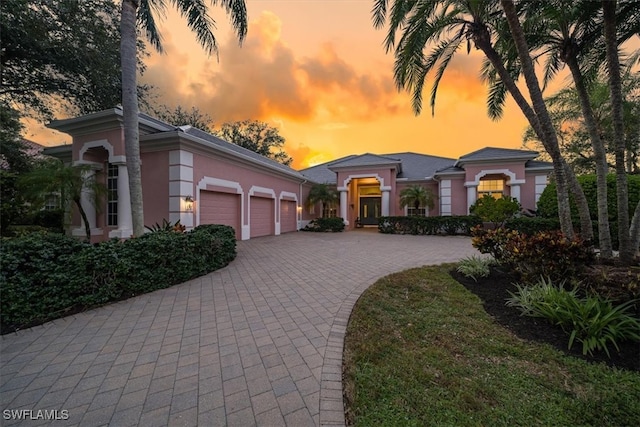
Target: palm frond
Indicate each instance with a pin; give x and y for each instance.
(496, 99)
(379, 13)
(146, 21)
(199, 21)
(237, 11)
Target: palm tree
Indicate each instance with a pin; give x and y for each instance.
(140, 13)
(625, 241)
(68, 182)
(416, 196)
(450, 24)
(323, 194)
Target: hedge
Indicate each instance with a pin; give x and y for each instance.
(325, 225)
(548, 203)
(425, 225)
(47, 276)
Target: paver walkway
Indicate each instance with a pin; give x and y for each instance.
(256, 343)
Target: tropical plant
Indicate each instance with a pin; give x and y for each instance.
(166, 227)
(475, 267)
(139, 14)
(497, 211)
(446, 26)
(323, 194)
(592, 321)
(417, 196)
(52, 177)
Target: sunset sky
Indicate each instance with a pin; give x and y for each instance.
(318, 71)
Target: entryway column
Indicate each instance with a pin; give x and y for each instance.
(472, 192)
(385, 200)
(125, 221)
(87, 201)
(343, 206)
(515, 191)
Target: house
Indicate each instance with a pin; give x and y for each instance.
(197, 178)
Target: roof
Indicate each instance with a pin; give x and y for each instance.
(493, 153)
(414, 166)
(31, 149)
(240, 150)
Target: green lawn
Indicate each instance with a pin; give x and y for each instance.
(421, 351)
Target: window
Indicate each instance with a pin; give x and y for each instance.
(52, 202)
(492, 187)
(329, 212)
(416, 212)
(112, 195)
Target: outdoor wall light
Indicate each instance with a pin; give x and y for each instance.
(188, 203)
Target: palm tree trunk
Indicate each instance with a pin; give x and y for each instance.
(543, 121)
(83, 214)
(586, 225)
(615, 86)
(128, 41)
(634, 231)
(604, 233)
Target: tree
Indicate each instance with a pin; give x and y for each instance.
(446, 26)
(256, 136)
(180, 116)
(60, 53)
(323, 194)
(416, 196)
(52, 177)
(493, 210)
(140, 12)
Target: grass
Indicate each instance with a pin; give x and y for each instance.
(420, 350)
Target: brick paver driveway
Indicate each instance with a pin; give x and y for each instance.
(256, 343)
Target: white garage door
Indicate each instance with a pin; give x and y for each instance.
(220, 208)
(288, 216)
(261, 217)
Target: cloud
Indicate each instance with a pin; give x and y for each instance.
(264, 78)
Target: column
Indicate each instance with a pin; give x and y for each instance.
(87, 201)
(343, 206)
(125, 222)
(472, 192)
(515, 191)
(385, 202)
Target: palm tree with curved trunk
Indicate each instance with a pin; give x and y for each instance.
(449, 25)
(416, 196)
(323, 194)
(139, 14)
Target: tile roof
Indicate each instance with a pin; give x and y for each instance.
(366, 159)
(493, 153)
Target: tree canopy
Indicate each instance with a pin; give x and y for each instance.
(61, 54)
(256, 136)
(180, 116)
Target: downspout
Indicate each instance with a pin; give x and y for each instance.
(300, 198)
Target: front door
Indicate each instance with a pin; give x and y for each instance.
(370, 208)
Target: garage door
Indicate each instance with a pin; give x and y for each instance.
(220, 208)
(288, 217)
(261, 217)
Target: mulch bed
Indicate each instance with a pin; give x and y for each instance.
(494, 290)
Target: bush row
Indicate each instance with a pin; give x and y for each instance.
(325, 225)
(424, 225)
(43, 277)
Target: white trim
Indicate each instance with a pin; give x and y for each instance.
(363, 175)
(540, 184)
(290, 196)
(484, 172)
(104, 144)
(257, 189)
(445, 201)
(207, 180)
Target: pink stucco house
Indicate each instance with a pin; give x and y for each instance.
(197, 178)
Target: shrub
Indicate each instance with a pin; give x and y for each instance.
(497, 211)
(548, 203)
(532, 225)
(548, 253)
(592, 321)
(166, 226)
(429, 225)
(43, 277)
(325, 225)
(475, 267)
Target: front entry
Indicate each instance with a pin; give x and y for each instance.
(370, 208)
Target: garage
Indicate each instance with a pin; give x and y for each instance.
(261, 217)
(288, 216)
(220, 208)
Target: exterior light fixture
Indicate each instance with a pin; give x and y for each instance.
(188, 203)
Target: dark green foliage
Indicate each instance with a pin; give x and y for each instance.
(548, 253)
(497, 211)
(43, 277)
(325, 224)
(548, 206)
(426, 225)
(527, 225)
(166, 226)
